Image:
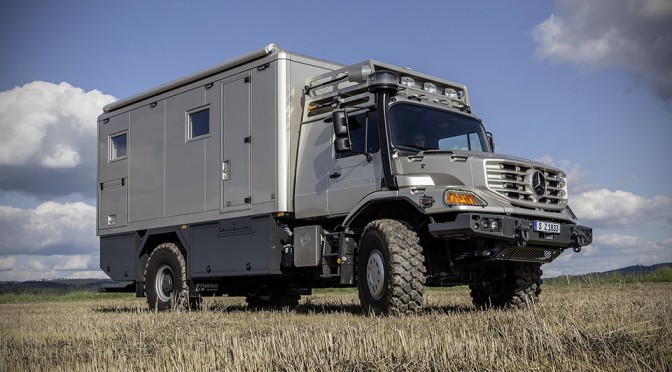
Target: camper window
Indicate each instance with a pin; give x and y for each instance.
(198, 124)
(118, 146)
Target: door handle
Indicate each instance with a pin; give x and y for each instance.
(334, 175)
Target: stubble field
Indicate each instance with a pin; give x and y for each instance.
(580, 328)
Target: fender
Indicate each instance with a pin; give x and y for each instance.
(170, 230)
(388, 197)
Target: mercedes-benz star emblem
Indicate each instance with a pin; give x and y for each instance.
(538, 183)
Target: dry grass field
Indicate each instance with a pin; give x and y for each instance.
(577, 328)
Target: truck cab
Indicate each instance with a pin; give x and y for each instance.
(409, 158)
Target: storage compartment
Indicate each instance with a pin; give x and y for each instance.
(117, 256)
(237, 247)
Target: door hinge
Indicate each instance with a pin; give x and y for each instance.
(248, 200)
(248, 139)
(247, 79)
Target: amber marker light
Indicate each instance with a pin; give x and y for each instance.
(460, 197)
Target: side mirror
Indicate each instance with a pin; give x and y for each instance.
(339, 120)
(342, 144)
(491, 141)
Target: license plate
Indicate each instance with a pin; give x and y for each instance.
(547, 227)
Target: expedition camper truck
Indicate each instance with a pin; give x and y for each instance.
(276, 173)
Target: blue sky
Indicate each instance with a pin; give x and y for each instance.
(583, 84)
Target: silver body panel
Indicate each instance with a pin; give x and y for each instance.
(167, 179)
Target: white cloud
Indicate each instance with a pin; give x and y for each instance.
(29, 267)
(52, 240)
(50, 228)
(63, 157)
(578, 179)
(35, 264)
(7, 263)
(598, 206)
(635, 35)
(42, 121)
(610, 209)
(610, 252)
(74, 262)
(48, 142)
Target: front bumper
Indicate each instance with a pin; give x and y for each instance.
(522, 242)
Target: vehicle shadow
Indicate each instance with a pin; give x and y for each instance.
(308, 308)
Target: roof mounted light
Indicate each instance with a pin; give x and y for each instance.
(408, 82)
(453, 94)
(429, 87)
(383, 80)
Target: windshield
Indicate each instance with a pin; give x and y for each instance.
(421, 128)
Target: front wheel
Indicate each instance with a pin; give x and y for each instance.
(166, 279)
(390, 269)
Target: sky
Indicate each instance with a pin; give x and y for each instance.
(585, 85)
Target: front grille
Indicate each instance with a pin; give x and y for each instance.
(513, 180)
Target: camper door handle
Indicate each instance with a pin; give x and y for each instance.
(334, 175)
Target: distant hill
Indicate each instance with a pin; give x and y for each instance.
(55, 286)
(632, 274)
(637, 269)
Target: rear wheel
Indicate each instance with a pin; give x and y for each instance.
(520, 287)
(390, 269)
(166, 279)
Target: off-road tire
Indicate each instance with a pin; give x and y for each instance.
(519, 288)
(390, 269)
(166, 279)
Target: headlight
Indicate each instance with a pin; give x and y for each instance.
(462, 197)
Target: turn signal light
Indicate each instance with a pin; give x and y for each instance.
(461, 197)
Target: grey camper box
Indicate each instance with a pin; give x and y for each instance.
(163, 177)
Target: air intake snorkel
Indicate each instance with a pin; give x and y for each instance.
(384, 84)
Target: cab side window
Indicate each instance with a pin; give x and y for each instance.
(363, 134)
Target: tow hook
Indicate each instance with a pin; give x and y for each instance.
(522, 233)
(578, 239)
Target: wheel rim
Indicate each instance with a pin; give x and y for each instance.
(375, 274)
(164, 283)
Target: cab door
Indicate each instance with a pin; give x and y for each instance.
(352, 176)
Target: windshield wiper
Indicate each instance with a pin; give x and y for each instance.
(416, 147)
(438, 151)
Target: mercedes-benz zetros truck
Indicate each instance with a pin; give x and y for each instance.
(275, 173)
